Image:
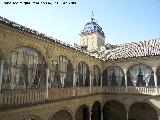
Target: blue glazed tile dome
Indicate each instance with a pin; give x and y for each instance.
(92, 27)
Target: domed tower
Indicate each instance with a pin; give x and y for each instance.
(92, 35)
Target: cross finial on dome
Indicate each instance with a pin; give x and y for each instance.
(92, 14)
(92, 18)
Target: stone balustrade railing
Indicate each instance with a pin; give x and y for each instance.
(19, 97)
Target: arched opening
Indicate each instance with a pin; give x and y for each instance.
(61, 115)
(142, 111)
(97, 76)
(82, 113)
(113, 110)
(61, 73)
(140, 75)
(82, 73)
(113, 76)
(158, 76)
(0, 54)
(96, 111)
(24, 69)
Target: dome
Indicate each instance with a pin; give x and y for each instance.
(92, 27)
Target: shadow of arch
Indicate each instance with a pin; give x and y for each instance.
(140, 75)
(1, 54)
(82, 73)
(61, 115)
(114, 110)
(40, 50)
(158, 76)
(82, 113)
(24, 68)
(96, 111)
(142, 111)
(113, 76)
(60, 109)
(96, 76)
(61, 72)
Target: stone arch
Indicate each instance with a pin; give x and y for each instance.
(82, 112)
(24, 68)
(70, 58)
(113, 76)
(148, 101)
(142, 62)
(61, 72)
(86, 62)
(60, 115)
(117, 100)
(40, 50)
(96, 111)
(114, 65)
(114, 110)
(140, 75)
(142, 111)
(68, 110)
(82, 75)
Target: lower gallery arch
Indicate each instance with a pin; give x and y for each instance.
(96, 111)
(114, 110)
(82, 113)
(61, 115)
(142, 111)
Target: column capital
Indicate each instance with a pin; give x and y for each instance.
(154, 69)
(1, 61)
(125, 70)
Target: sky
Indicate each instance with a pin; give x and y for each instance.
(121, 20)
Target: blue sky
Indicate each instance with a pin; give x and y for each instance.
(121, 20)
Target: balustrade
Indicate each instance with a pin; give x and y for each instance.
(15, 97)
(21, 97)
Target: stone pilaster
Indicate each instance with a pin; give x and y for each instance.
(1, 73)
(155, 78)
(74, 82)
(47, 85)
(90, 81)
(102, 112)
(101, 80)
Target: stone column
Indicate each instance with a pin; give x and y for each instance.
(47, 76)
(90, 115)
(90, 82)
(126, 115)
(158, 115)
(74, 79)
(74, 82)
(127, 106)
(101, 112)
(1, 73)
(101, 80)
(155, 78)
(125, 74)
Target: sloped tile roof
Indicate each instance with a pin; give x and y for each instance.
(132, 50)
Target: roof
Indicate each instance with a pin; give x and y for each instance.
(110, 52)
(132, 50)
